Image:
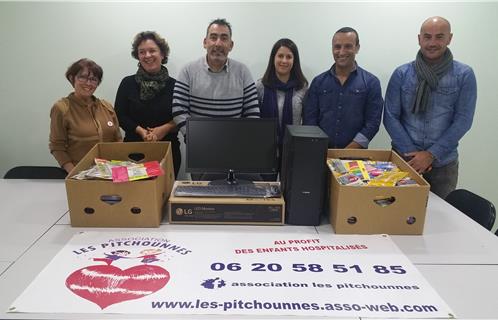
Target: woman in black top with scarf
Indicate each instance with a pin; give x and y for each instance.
(144, 100)
(282, 89)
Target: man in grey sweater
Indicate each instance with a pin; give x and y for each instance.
(215, 85)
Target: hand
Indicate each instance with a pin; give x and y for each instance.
(68, 166)
(354, 145)
(150, 137)
(421, 161)
(158, 133)
(143, 133)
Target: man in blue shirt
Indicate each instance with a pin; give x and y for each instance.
(430, 104)
(345, 101)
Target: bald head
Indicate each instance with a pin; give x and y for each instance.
(434, 38)
(436, 21)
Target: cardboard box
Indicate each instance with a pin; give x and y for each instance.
(141, 202)
(206, 210)
(357, 209)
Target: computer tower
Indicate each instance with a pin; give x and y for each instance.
(303, 175)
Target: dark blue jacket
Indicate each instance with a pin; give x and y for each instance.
(345, 112)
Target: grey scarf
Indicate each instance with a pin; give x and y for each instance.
(428, 78)
(151, 84)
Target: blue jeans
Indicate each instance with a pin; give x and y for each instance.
(444, 179)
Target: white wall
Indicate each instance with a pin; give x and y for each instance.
(39, 40)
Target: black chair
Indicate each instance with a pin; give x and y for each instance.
(479, 209)
(35, 172)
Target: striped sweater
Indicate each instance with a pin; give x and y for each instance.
(200, 92)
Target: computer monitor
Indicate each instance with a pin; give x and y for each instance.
(231, 145)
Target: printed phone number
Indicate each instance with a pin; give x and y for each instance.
(310, 267)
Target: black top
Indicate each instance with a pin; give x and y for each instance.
(133, 112)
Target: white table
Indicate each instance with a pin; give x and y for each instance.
(450, 237)
(4, 265)
(457, 256)
(29, 209)
(470, 290)
(64, 220)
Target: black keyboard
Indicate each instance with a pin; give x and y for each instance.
(240, 191)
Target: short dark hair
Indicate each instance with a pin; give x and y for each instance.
(221, 22)
(349, 29)
(296, 73)
(154, 36)
(82, 64)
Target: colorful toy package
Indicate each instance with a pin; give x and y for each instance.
(369, 173)
(120, 171)
(136, 171)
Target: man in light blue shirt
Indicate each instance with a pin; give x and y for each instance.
(429, 106)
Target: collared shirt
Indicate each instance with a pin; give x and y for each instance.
(346, 112)
(199, 92)
(448, 116)
(224, 68)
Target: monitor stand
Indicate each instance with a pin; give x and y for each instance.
(231, 180)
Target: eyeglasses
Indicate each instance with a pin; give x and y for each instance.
(84, 79)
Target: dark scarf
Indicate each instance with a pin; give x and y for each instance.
(428, 78)
(151, 84)
(269, 107)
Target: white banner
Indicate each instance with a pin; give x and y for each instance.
(232, 273)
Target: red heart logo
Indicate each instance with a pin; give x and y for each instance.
(107, 285)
